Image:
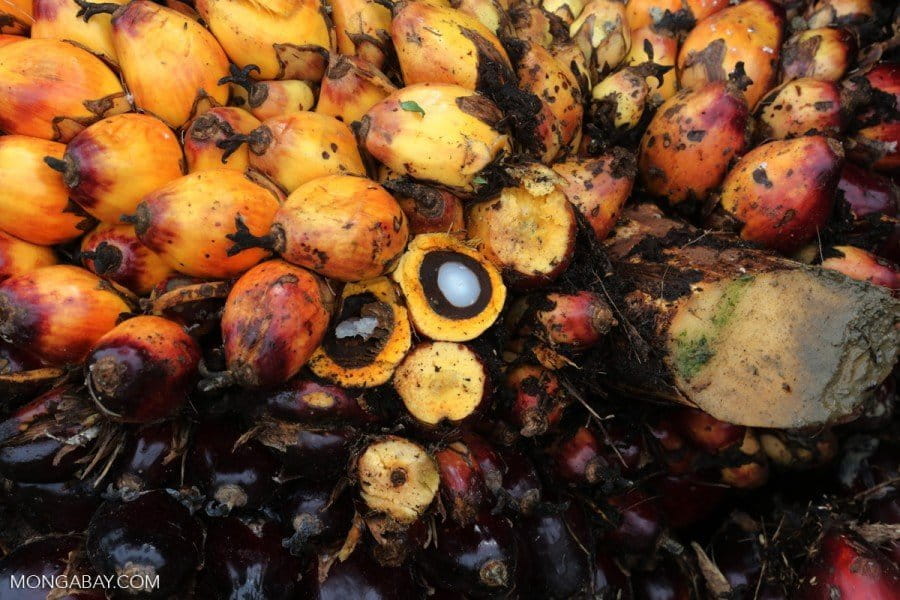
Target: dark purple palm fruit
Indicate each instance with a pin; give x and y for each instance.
(738, 554)
(558, 544)
(666, 581)
(152, 537)
(608, 580)
(60, 507)
(521, 489)
(55, 559)
(321, 454)
(318, 514)
(305, 401)
(479, 560)
(359, 576)
(245, 559)
(151, 458)
(687, 499)
(230, 472)
(634, 519)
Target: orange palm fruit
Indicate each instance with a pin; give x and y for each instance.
(362, 29)
(187, 220)
(275, 317)
(267, 99)
(52, 90)
(864, 266)
(286, 40)
(114, 252)
(800, 107)
(171, 64)
(202, 149)
(700, 9)
(749, 34)
(649, 45)
(63, 20)
(351, 87)
(646, 13)
(115, 162)
(7, 39)
(18, 257)
(58, 312)
(34, 201)
(15, 16)
(826, 53)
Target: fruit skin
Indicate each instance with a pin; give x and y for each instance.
(845, 565)
(171, 64)
(290, 40)
(203, 134)
(602, 33)
(115, 162)
(749, 33)
(142, 370)
(269, 99)
(879, 146)
(664, 52)
(781, 193)
(428, 209)
(34, 202)
(305, 401)
(823, 53)
(862, 265)
(800, 107)
(457, 136)
(16, 17)
(362, 29)
(59, 20)
(52, 89)
(686, 150)
(275, 317)
(58, 312)
(167, 221)
(51, 557)
(151, 458)
(61, 507)
(351, 87)
(360, 576)
(18, 257)
(114, 252)
(318, 520)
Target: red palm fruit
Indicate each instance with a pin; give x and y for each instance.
(143, 370)
(151, 41)
(797, 449)
(537, 402)
(18, 257)
(359, 576)
(864, 266)
(800, 107)
(269, 99)
(62, 20)
(823, 53)
(749, 34)
(577, 321)
(690, 142)
(275, 316)
(362, 29)
(34, 201)
(150, 458)
(885, 77)
(114, 252)
(843, 564)
(343, 227)
(856, 14)
(16, 16)
(58, 312)
(671, 446)
(489, 462)
(194, 303)
(781, 193)
(538, 26)
(577, 458)
(100, 169)
(868, 193)
(351, 87)
(308, 402)
(463, 490)
(608, 579)
(169, 219)
(708, 433)
(53, 90)
(688, 499)
(202, 149)
(665, 580)
(878, 146)
(519, 487)
(428, 209)
(289, 39)
(599, 187)
(603, 34)
(635, 520)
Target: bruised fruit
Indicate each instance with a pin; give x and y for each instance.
(862, 265)
(275, 316)
(528, 231)
(169, 219)
(318, 514)
(114, 252)
(58, 312)
(398, 478)
(452, 292)
(142, 370)
(537, 401)
(602, 34)
(34, 201)
(362, 29)
(658, 48)
(202, 148)
(442, 382)
(369, 336)
(800, 107)
(351, 87)
(343, 227)
(110, 166)
(305, 401)
(825, 54)
(62, 20)
(694, 135)
(53, 90)
(781, 193)
(18, 257)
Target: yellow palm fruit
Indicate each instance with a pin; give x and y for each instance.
(648, 45)
(602, 33)
(351, 87)
(63, 20)
(362, 29)
(201, 139)
(15, 16)
(267, 99)
(18, 257)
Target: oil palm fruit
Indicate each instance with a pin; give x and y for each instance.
(100, 169)
(781, 193)
(528, 231)
(452, 291)
(862, 265)
(275, 316)
(622, 99)
(692, 138)
(267, 99)
(826, 53)
(142, 370)
(34, 201)
(53, 90)
(62, 20)
(115, 253)
(341, 226)
(58, 312)
(362, 29)
(286, 40)
(169, 219)
(151, 42)
(16, 17)
(202, 151)
(7, 39)
(749, 34)
(660, 48)
(442, 133)
(602, 34)
(802, 106)
(369, 336)
(491, 13)
(428, 209)
(351, 87)
(18, 257)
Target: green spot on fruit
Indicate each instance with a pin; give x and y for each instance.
(691, 355)
(411, 106)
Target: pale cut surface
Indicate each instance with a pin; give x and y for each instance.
(790, 348)
(398, 478)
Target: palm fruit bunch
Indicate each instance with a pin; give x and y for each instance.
(463, 299)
